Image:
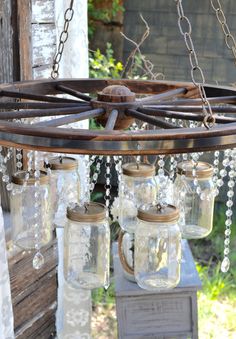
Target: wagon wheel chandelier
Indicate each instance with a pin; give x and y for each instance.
(170, 118)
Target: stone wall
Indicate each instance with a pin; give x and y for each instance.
(165, 46)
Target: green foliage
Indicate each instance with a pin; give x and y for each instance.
(104, 65)
(102, 296)
(136, 69)
(105, 15)
(215, 283)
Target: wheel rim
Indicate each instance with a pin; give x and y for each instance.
(169, 139)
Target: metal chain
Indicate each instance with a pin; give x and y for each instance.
(229, 39)
(186, 30)
(68, 16)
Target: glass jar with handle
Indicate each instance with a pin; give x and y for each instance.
(157, 254)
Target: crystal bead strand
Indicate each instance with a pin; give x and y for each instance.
(162, 181)
(225, 265)
(38, 259)
(197, 188)
(108, 183)
(96, 173)
(173, 166)
(223, 172)
(3, 167)
(87, 164)
(118, 167)
(216, 163)
(19, 159)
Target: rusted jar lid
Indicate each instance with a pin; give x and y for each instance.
(203, 169)
(138, 170)
(19, 178)
(159, 214)
(63, 163)
(90, 212)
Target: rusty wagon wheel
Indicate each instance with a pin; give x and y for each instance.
(116, 104)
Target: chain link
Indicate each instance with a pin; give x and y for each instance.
(229, 39)
(68, 16)
(196, 71)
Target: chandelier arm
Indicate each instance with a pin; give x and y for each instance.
(36, 97)
(111, 121)
(183, 115)
(43, 113)
(74, 93)
(181, 108)
(95, 113)
(149, 119)
(39, 105)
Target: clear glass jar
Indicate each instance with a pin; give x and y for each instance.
(157, 254)
(195, 195)
(126, 254)
(87, 246)
(65, 185)
(26, 220)
(138, 187)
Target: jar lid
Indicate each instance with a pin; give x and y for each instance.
(63, 163)
(138, 170)
(203, 169)
(19, 178)
(157, 213)
(90, 212)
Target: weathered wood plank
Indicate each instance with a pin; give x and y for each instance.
(24, 38)
(43, 44)
(22, 262)
(42, 72)
(41, 293)
(42, 326)
(43, 11)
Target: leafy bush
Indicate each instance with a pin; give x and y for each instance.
(104, 65)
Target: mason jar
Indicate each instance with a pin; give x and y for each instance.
(194, 194)
(138, 187)
(157, 254)
(31, 224)
(126, 254)
(87, 246)
(65, 185)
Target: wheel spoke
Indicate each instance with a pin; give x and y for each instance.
(74, 93)
(225, 99)
(149, 119)
(111, 121)
(95, 113)
(191, 109)
(36, 97)
(184, 115)
(169, 94)
(38, 105)
(42, 113)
